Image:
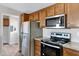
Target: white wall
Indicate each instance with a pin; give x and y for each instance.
(8, 11)
(74, 33)
(1, 31)
(14, 35)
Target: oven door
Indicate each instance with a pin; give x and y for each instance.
(50, 50)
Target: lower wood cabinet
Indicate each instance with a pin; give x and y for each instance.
(37, 47)
(70, 52)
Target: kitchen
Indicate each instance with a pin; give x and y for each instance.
(46, 29)
(71, 27)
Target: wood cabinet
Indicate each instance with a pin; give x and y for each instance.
(24, 17)
(72, 10)
(5, 21)
(37, 47)
(59, 8)
(42, 15)
(31, 17)
(50, 11)
(70, 52)
(36, 15)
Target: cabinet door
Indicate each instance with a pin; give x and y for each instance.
(36, 16)
(31, 17)
(24, 17)
(37, 47)
(50, 11)
(72, 11)
(59, 8)
(70, 52)
(42, 15)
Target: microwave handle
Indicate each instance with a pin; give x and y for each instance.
(59, 20)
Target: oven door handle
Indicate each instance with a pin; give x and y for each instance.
(50, 45)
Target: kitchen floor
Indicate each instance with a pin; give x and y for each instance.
(10, 50)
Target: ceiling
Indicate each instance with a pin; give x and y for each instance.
(26, 7)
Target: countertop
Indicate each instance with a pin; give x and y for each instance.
(41, 38)
(72, 45)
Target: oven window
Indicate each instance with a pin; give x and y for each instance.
(50, 51)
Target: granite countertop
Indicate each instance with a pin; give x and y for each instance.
(72, 45)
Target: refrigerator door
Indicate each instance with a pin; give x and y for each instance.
(26, 39)
(26, 27)
(25, 44)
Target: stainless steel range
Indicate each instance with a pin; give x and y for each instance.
(54, 45)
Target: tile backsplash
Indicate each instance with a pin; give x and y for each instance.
(74, 33)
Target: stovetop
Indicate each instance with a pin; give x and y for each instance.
(58, 38)
(53, 42)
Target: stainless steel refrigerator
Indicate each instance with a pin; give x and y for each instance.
(30, 30)
(25, 38)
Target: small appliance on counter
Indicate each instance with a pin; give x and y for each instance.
(54, 46)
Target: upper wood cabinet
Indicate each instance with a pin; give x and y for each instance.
(72, 11)
(31, 17)
(50, 11)
(42, 15)
(70, 52)
(24, 17)
(36, 15)
(59, 8)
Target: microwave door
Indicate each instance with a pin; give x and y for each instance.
(51, 22)
(55, 22)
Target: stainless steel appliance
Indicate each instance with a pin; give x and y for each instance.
(25, 39)
(58, 21)
(54, 45)
(29, 30)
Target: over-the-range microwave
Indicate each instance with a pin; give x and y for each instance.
(58, 21)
